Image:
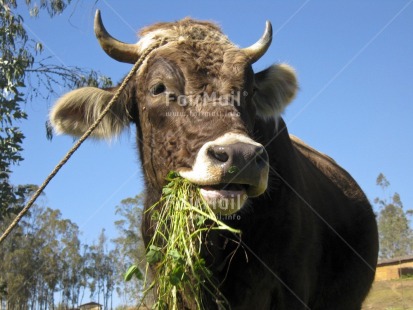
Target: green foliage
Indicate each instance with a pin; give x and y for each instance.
(23, 76)
(183, 219)
(14, 60)
(101, 270)
(53, 7)
(44, 256)
(35, 259)
(129, 249)
(133, 271)
(395, 235)
(154, 254)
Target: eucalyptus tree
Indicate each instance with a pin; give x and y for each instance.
(41, 257)
(26, 72)
(129, 247)
(395, 234)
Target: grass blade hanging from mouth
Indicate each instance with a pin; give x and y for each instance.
(183, 218)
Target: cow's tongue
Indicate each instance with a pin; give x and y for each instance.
(225, 198)
(222, 191)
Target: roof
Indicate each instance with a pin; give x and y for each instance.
(91, 305)
(396, 260)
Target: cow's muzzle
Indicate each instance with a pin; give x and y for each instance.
(229, 170)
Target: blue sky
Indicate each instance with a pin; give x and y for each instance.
(354, 61)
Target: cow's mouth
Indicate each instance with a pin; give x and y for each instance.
(229, 170)
(226, 187)
(225, 198)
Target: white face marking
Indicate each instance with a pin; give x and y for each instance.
(154, 36)
(207, 173)
(150, 38)
(203, 171)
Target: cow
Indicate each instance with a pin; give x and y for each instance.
(309, 235)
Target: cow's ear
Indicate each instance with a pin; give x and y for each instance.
(275, 89)
(74, 112)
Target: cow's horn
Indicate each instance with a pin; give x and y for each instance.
(118, 50)
(258, 49)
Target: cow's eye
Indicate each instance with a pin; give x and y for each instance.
(158, 89)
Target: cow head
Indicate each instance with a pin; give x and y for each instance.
(195, 101)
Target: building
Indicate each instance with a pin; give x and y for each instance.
(394, 268)
(91, 306)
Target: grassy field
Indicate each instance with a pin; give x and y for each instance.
(390, 295)
(387, 295)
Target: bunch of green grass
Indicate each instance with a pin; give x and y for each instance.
(182, 220)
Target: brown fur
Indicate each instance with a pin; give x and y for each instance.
(190, 29)
(310, 241)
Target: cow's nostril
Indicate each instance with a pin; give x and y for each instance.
(261, 156)
(260, 160)
(219, 153)
(259, 150)
(258, 153)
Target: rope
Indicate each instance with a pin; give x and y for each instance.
(81, 140)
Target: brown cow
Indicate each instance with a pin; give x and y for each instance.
(309, 235)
